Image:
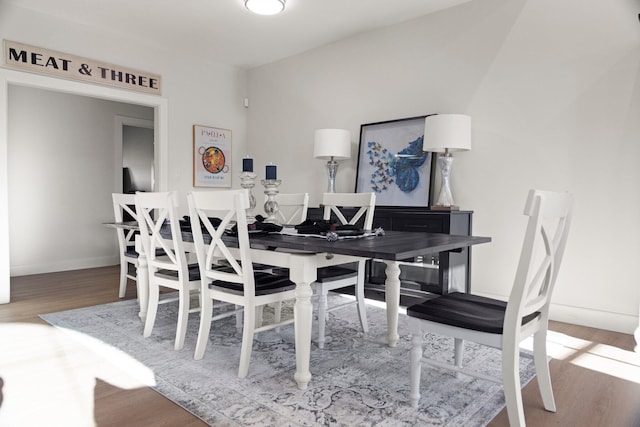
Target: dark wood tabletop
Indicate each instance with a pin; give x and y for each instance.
(393, 245)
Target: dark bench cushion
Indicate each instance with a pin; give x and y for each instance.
(465, 311)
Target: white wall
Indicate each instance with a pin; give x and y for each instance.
(197, 89)
(554, 94)
(61, 176)
(552, 88)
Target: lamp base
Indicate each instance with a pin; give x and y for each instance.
(332, 170)
(444, 208)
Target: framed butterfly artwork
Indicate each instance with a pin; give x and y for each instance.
(391, 163)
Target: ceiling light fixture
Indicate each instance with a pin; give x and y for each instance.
(265, 7)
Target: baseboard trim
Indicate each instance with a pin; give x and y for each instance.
(589, 317)
(616, 322)
(75, 264)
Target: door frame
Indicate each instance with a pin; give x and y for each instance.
(20, 78)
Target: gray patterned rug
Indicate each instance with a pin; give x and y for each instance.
(357, 378)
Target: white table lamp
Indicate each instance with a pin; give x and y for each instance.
(332, 145)
(446, 133)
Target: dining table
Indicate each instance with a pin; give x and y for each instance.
(304, 255)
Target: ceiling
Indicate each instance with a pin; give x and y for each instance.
(227, 32)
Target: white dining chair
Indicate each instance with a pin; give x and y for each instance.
(166, 259)
(335, 277)
(124, 206)
(227, 273)
(501, 324)
(292, 207)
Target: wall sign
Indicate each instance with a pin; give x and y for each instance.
(211, 157)
(44, 61)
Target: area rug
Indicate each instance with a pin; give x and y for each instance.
(357, 378)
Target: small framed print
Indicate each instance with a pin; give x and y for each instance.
(211, 157)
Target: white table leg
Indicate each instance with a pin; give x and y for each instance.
(142, 280)
(392, 296)
(302, 312)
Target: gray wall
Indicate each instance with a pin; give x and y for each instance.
(137, 156)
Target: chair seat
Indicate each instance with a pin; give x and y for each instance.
(131, 252)
(325, 274)
(266, 284)
(194, 273)
(333, 273)
(465, 311)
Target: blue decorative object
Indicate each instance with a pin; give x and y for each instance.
(400, 168)
(270, 172)
(247, 164)
(406, 165)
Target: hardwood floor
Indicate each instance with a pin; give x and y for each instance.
(584, 396)
(46, 293)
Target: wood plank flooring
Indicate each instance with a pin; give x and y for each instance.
(584, 396)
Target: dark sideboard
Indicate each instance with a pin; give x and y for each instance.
(422, 276)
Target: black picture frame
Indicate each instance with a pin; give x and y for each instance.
(391, 163)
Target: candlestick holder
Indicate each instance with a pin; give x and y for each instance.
(248, 181)
(271, 207)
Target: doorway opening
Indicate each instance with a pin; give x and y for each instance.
(134, 155)
(12, 77)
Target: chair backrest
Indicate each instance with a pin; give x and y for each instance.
(157, 215)
(292, 207)
(336, 202)
(544, 244)
(124, 205)
(229, 206)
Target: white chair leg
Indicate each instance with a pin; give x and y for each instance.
(183, 317)
(259, 312)
(416, 367)
(239, 319)
(362, 309)
(458, 353)
(322, 315)
(206, 313)
(124, 269)
(152, 309)
(277, 311)
(511, 383)
(542, 369)
(247, 342)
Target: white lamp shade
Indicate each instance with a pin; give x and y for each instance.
(265, 7)
(447, 131)
(334, 143)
